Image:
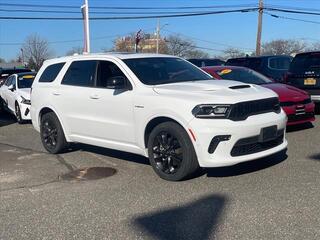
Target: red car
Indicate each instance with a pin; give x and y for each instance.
(295, 102)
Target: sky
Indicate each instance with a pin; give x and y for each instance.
(216, 32)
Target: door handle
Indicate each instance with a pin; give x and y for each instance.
(94, 96)
(56, 93)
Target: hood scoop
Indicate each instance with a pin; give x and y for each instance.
(240, 86)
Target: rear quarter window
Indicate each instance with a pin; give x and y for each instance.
(279, 63)
(51, 72)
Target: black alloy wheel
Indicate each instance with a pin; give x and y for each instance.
(167, 152)
(171, 152)
(49, 133)
(52, 135)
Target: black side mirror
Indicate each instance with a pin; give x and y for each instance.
(118, 82)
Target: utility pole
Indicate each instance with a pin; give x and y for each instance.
(258, 46)
(158, 35)
(85, 15)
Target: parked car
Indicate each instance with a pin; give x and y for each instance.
(202, 62)
(274, 67)
(15, 95)
(6, 72)
(304, 73)
(295, 102)
(158, 106)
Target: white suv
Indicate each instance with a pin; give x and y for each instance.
(158, 106)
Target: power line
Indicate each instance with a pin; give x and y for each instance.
(291, 11)
(288, 18)
(206, 41)
(126, 8)
(97, 12)
(133, 17)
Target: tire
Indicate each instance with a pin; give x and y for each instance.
(171, 152)
(18, 114)
(52, 135)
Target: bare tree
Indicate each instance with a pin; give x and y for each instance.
(182, 47)
(314, 47)
(233, 53)
(283, 47)
(35, 51)
(74, 50)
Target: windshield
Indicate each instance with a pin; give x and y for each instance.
(162, 70)
(243, 75)
(25, 81)
(305, 62)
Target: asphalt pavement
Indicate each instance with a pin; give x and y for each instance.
(67, 196)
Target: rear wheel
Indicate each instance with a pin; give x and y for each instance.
(52, 135)
(171, 152)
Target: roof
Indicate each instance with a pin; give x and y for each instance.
(118, 55)
(255, 57)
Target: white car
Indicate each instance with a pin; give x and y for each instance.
(15, 95)
(158, 106)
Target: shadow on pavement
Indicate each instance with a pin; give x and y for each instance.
(300, 127)
(315, 157)
(6, 119)
(247, 167)
(196, 220)
(112, 153)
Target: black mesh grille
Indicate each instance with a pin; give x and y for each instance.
(243, 110)
(252, 145)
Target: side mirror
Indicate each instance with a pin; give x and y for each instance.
(12, 87)
(118, 82)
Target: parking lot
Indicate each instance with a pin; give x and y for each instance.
(272, 198)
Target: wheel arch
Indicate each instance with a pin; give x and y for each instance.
(45, 110)
(156, 121)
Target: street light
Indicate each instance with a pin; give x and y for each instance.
(158, 33)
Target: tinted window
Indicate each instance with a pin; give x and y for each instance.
(243, 75)
(280, 63)
(253, 63)
(81, 73)
(206, 62)
(106, 71)
(26, 80)
(9, 81)
(153, 71)
(51, 72)
(305, 62)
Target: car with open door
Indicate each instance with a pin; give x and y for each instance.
(15, 95)
(295, 102)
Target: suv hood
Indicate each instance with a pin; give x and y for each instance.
(24, 92)
(211, 91)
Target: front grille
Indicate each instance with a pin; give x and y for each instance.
(288, 104)
(252, 145)
(241, 111)
(294, 118)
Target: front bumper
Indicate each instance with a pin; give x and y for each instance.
(25, 111)
(206, 129)
(298, 114)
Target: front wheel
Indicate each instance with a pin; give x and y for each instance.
(52, 135)
(171, 152)
(18, 114)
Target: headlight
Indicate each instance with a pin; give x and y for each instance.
(211, 111)
(25, 101)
